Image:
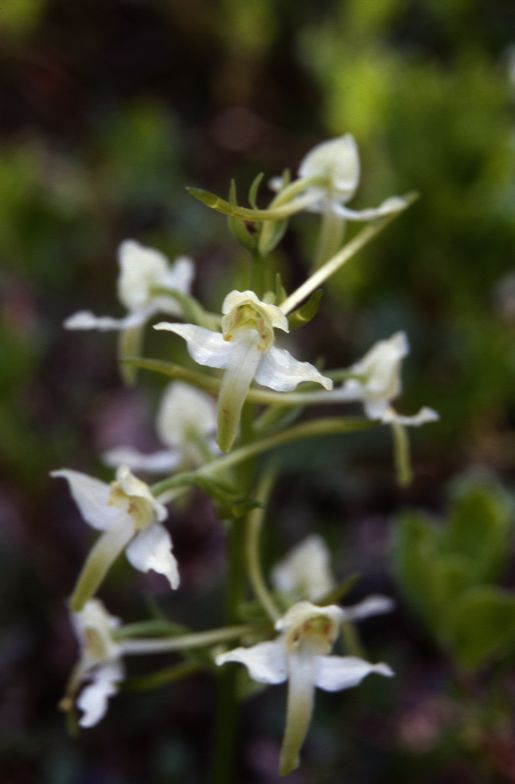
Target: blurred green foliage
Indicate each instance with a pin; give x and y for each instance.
(449, 572)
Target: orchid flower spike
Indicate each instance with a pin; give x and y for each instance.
(100, 663)
(331, 171)
(130, 518)
(185, 423)
(245, 349)
(144, 272)
(299, 655)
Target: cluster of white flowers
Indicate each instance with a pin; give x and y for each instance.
(196, 434)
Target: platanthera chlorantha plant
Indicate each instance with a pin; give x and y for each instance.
(229, 406)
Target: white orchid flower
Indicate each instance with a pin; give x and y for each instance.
(379, 382)
(245, 349)
(131, 520)
(334, 168)
(305, 572)
(299, 655)
(142, 271)
(185, 421)
(100, 663)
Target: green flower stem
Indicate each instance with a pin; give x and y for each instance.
(129, 345)
(259, 396)
(401, 453)
(156, 627)
(191, 309)
(313, 429)
(338, 260)
(163, 677)
(253, 534)
(332, 229)
(185, 641)
(103, 554)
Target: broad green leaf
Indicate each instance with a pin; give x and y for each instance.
(307, 311)
(415, 555)
(481, 627)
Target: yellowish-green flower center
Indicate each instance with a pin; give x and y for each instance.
(139, 509)
(249, 316)
(95, 646)
(316, 634)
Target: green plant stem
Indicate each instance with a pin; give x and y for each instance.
(323, 427)
(338, 260)
(103, 554)
(163, 677)
(401, 453)
(185, 641)
(252, 545)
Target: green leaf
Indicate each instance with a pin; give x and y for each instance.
(254, 190)
(479, 526)
(307, 311)
(238, 228)
(230, 503)
(482, 626)
(415, 557)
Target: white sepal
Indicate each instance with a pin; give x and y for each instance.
(266, 661)
(160, 462)
(94, 697)
(306, 571)
(333, 673)
(85, 319)
(280, 371)
(92, 498)
(372, 605)
(204, 346)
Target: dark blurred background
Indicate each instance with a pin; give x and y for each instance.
(107, 110)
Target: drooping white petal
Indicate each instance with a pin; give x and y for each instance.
(305, 572)
(280, 371)
(204, 346)
(266, 661)
(160, 462)
(333, 673)
(372, 605)
(85, 319)
(152, 549)
(387, 207)
(94, 697)
(92, 498)
(337, 161)
(184, 410)
(422, 417)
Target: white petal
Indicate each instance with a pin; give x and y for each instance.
(184, 410)
(92, 498)
(204, 346)
(180, 274)
(156, 463)
(152, 549)
(280, 371)
(94, 626)
(141, 269)
(387, 207)
(94, 697)
(372, 605)
(333, 673)
(266, 661)
(423, 416)
(84, 319)
(305, 572)
(338, 161)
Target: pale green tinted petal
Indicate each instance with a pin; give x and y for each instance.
(372, 605)
(280, 371)
(93, 627)
(301, 612)
(305, 572)
(184, 410)
(301, 695)
(154, 463)
(94, 697)
(333, 673)
(266, 661)
(92, 498)
(241, 368)
(152, 549)
(204, 346)
(85, 319)
(135, 488)
(274, 314)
